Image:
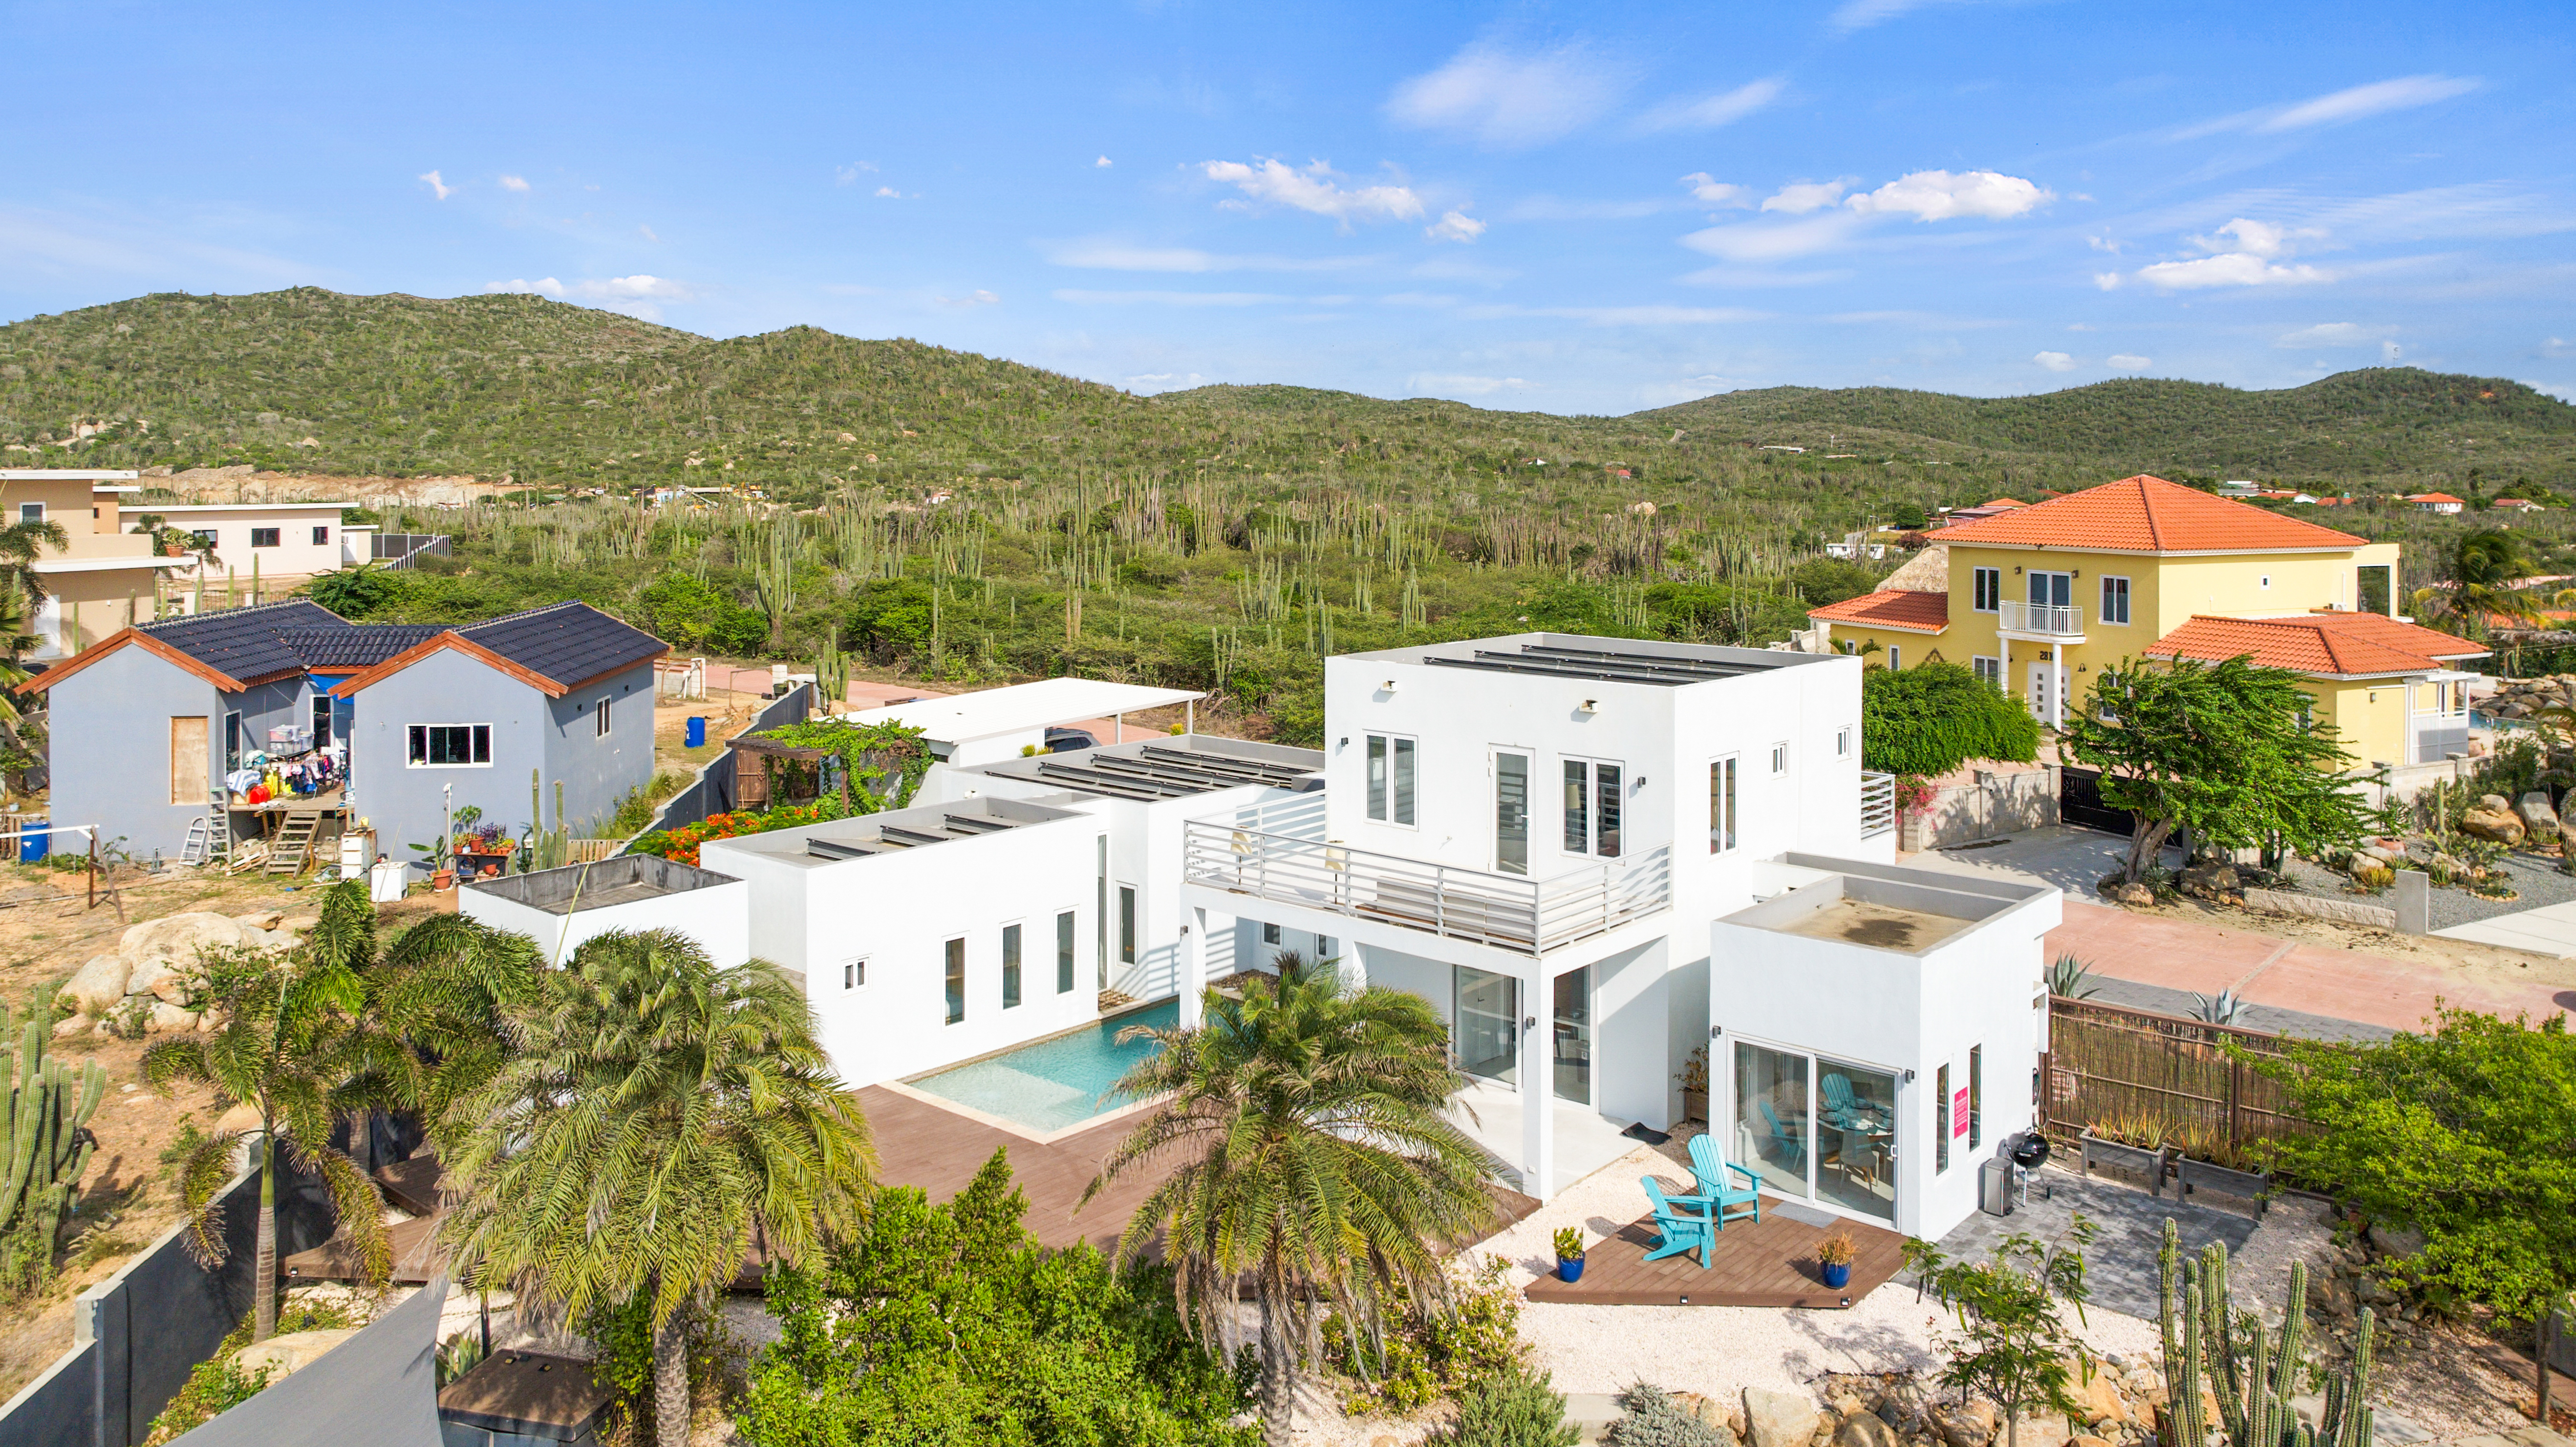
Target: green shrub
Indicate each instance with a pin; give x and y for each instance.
(1428, 1353)
(214, 1387)
(1510, 1408)
(1649, 1417)
(1933, 717)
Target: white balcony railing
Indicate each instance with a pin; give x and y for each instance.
(2047, 620)
(1877, 804)
(1291, 863)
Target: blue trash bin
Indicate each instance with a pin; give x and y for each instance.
(697, 732)
(35, 840)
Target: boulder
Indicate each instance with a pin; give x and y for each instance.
(2539, 821)
(2394, 1239)
(180, 936)
(260, 919)
(96, 987)
(298, 923)
(71, 1025)
(1863, 1430)
(291, 1351)
(1968, 1424)
(2210, 880)
(167, 1019)
(2100, 1400)
(2365, 865)
(1780, 1419)
(2499, 825)
(2422, 851)
(161, 978)
(2493, 802)
(2047, 1429)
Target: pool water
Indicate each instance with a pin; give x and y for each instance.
(1054, 1083)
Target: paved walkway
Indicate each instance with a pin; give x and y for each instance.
(2547, 930)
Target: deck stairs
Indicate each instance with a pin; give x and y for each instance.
(291, 852)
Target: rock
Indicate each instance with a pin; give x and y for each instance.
(1863, 1430)
(2045, 1430)
(2119, 892)
(2395, 1240)
(2087, 1441)
(2498, 825)
(1715, 1413)
(2363, 866)
(96, 987)
(2494, 803)
(292, 1351)
(2373, 1292)
(2210, 880)
(1779, 1419)
(2422, 851)
(2100, 1400)
(71, 1025)
(167, 1018)
(259, 919)
(179, 936)
(298, 923)
(1963, 1425)
(2539, 821)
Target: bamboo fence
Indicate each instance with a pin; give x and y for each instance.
(2128, 1073)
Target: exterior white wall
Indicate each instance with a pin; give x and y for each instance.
(897, 911)
(717, 916)
(295, 555)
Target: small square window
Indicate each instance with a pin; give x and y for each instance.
(205, 537)
(321, 536)
(1842, 743)
(31, 512)
(1271, 934)
(263, 537)
(1779, 758)
(854, 975)
(1895, 658)
(603, 718)
(2267, 580)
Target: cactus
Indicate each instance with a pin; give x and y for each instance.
(547, 848)
(45, 1144)
(832, 675)
(2251, 1376)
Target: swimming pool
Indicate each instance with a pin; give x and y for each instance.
(1051, 1084)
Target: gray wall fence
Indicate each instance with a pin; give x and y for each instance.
(401, 550)
(137, 1335)
(713, 792)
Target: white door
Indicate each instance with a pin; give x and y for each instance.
(2047, 691)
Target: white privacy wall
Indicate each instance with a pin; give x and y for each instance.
(717, 916)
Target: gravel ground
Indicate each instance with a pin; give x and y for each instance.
(2535, 879)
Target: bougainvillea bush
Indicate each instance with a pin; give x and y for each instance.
(682, 843)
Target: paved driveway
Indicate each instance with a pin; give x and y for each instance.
(2548, 930)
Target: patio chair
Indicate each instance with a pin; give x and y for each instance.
(1838, 1098)
(1711, 1170)
(1785, 1139)
(1682, 1229)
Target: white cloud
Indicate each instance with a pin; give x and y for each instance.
(1647, 316)
(2055, 361)
(634, 288)
(2564, 392)
(1742, 277)
(2107, 280)
(1941, 195)
(891, 193)
(2082, 327)
(1102, 164)
(2125, 362)
(2330, 334)
(542, 286)
(436, 185)
(1710, 112)
(844, 175)
(647, 233)
(1862, 14)
(514, 183)
(972, 298)
(2558, 347)
(2234, 268)
(1444, 384)
(1455, 225)
(2104, 243)
(1171, 298)
(1508, 100)
(1711, 191)
(1101, 254)
(1315, 189)
(2256, 238)
(1775, 241)
(1801, 197)
(2379, 97)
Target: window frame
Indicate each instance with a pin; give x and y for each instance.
(31, 512)
(1726, 835)
(1985, 590)
(1989, 669)
(416, 746)
(1126, 924)
(1390, 778)
(322, 536)
(207, 537)
(599, 712)
(1067, 930)
(854, 974)
(1597, 806)
(1272, 934)
(2127, 593)
(1843, 742)
(1780, 759)
(952, 978)
(1895, 658)
(1014, 947)
(275, 537)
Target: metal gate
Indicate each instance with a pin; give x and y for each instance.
(2079, 801)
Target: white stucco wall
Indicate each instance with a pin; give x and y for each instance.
(717, 916)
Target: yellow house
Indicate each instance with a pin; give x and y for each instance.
(105, 577)
(2042, 598)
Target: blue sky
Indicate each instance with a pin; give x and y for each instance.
(1558, 208)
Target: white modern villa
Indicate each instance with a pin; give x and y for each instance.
(1595, 857)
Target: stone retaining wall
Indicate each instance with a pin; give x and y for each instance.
(2309, 906)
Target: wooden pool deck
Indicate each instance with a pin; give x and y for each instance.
(1772, 1263)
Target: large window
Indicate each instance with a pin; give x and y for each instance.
(1486, 1034)
(601, 717)
(1856, 1138)
(2372, 593)
(1592, 798)
(1126, 924)
(1573, 1037)
(263, 537)
(450, 746)
(1721, 806)
(1771, 1132)
(1976, 1096)
(1941, 1120)
(1989, 670)
(1511, 813)
(1010, 966)
(955, 975)
(321, 720)
(2115, 600)
(1987, 586)
(1064, 953)
(1390, 778)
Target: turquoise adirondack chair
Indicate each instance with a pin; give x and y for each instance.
(1712, 1171)
(1684, 1223)
(1838, 1098)
(1785, 1140)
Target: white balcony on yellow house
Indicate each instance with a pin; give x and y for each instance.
(2040, 622)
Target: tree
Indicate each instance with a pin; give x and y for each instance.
(2462, 1133)
(21, 544)
(657, 1118)
(949, 1324)
(2225, 750)
(1303, 1125)
(2481, 577)
(446, 987)
(292, 1042)
(1933, 717)
(2011, 1345)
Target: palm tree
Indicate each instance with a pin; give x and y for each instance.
(293, 1043)
(657, 1116)
(446, 987)
(2480, 575)
(21, 543)
(1304, 1125)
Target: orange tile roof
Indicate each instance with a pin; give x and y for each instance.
(2003, 502)
(1904, 611)
(2350, 645)
(2433, 497)
(2147, 515)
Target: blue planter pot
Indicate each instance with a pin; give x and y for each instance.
(1569, 1268)
(1838, 1276)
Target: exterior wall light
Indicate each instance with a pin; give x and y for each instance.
(1589, 705)
(1387, 687)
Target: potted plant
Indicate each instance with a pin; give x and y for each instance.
(1834, 1254)
(1694, 1079)
(1569, 1253)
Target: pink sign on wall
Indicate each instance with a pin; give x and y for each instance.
(1959, 1112)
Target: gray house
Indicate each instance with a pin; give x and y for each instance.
(405, 719)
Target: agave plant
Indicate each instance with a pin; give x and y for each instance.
(2072, 979)
(2221, 1009)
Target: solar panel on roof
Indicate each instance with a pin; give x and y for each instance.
(1559, 661)
(1164, 772)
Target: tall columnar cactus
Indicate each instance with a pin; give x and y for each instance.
(45, 1145)
(2251, 1377)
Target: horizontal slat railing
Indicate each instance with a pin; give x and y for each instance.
(1877, 804)
(1525, 916)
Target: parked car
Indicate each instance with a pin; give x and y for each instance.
(1066, 741)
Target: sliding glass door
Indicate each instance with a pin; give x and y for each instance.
(1486, 1024)
(1573, 1024)
(1817, 1129)
(1771, 1116)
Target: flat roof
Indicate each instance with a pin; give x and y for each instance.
(1168, 768)
(66, 474)
(1603, 660)
(1020, 707)
(623, 879)
(240, 506)
(107, 565)
(1901, 908)
(840, 840)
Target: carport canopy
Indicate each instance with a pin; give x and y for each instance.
(1021, 707)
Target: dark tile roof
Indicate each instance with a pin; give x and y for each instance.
(248, 643)
(567, 643)
(355, 646)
